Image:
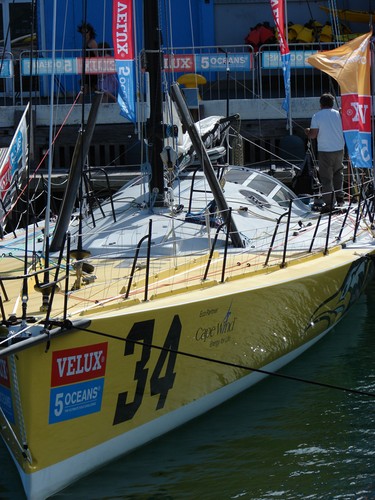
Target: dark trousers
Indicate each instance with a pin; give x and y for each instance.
(331, 175)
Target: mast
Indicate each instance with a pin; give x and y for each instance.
(154, 126)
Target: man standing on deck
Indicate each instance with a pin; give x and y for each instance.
(326, 127)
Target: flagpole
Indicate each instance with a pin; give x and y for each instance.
(278, 12)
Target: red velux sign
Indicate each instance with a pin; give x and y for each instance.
(76, 365)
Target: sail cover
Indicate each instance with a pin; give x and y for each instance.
(123, 43)
(278, 12)
(350, 65)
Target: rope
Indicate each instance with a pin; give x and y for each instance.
(5, 41)
(235, 365)
(18, 405)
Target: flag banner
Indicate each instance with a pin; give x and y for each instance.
(278, 12)
(14, 163)
(350, 66)
(124, 50)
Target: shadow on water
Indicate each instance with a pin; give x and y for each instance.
(280, 439)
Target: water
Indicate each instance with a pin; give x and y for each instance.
(279, 440)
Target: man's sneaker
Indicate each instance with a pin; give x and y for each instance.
(340, 202)
(327, 209)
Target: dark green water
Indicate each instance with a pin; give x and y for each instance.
(279, 440)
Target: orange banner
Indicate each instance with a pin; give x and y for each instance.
(349, 65)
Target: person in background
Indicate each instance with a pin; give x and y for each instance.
(326, 127)
(107, 82)
(91, 47)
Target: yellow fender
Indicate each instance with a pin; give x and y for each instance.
(326, 33)
(306, 35)
(293, 31)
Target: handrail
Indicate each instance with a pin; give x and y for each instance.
(329, 225)
(226, 247)
(315, 233)
(287, 233)
(219, 228)
(87, 177)
(368, 211)
(213, 249)
(147, 236)
(192, 189)
(358, 216)
(91, 194)
(274, 237)
(148, 259)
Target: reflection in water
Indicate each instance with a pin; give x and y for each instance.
(281, 439)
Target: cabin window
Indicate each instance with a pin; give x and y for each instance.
(262, 184)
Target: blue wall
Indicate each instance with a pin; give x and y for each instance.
(191, 28)
(212, 23)
(99, 14)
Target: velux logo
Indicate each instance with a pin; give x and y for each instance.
(361, 112)
(356, 113)
(181, 62)
(76, 365)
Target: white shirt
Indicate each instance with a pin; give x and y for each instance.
(330, 135)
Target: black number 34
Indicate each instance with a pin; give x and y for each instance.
(159, 384)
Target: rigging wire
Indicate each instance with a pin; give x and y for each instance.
(50, 135)
(25, 290)
(334, 21)
(234, 365)
(5, 45)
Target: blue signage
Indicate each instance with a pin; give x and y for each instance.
(218, 62)
(75, 400)
(298, 59)
(6, 68)
(66, 66)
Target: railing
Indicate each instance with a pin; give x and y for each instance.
(148, 238)
(282, 254)
(227, 69)
(231, 71)
(306, 81)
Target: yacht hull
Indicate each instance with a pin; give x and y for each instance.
(94, 393)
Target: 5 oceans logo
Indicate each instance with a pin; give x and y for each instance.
(77, 380)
